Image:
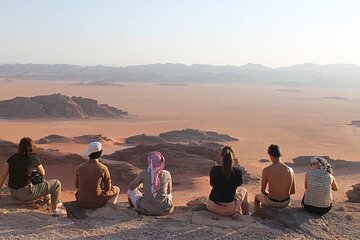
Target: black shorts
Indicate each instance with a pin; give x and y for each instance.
(316, 210)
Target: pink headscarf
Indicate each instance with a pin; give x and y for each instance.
(156, 163)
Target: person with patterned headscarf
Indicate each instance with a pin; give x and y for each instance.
(156, 198)
(319, 182)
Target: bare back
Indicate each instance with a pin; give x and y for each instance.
(280, 181)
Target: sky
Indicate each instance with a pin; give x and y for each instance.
(120, 33)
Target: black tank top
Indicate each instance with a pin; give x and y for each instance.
(20, 168)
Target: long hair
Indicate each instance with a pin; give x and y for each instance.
(227, 155)
(27, 146)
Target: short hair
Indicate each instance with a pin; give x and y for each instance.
(27, 146)
(95, 155)
(274, 150)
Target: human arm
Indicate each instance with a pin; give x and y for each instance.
(106, 180)
(264, 183)
(292, 189)
(4, 173)
(334, 185)
(40, 169)
(136, 182)
(306, 181)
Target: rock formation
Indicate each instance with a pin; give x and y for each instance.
(354, 194)
(144, 139)
(189, 136)
(56, 106)
(83, 139)
(195, 135)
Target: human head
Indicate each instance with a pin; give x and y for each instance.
(156, 158)
(227, 157)
(94, 150)
(320, 163)
(274, 152)
(156, 163)
(27, 146)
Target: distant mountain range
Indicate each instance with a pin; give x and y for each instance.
(308, 74)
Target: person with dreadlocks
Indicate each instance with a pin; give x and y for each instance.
(156, 198)
(319, 182)
(227, 198)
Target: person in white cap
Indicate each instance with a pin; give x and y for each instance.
(94, 182)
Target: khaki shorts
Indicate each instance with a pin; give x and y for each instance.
(264, 199)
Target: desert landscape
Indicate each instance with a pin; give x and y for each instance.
(304, 121)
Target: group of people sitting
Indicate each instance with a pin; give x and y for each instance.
(150, 192)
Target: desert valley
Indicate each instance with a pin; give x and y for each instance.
(172, 118)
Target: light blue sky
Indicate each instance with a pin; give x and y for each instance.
(120, 33)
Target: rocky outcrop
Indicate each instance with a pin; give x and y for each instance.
(53, 138)
(354, 194)
(56, 106)
(144, 139)
(192, 137)
(187, 135)
(83, 139)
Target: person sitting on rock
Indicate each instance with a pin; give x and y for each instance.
(319, 182)
(279, 178)
(94, 182)
(157, 188)
(227, 198)
(20, 167)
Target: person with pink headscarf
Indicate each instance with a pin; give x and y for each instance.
(156, 198)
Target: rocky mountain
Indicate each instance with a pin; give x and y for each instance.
(56, 106)
(308, 74)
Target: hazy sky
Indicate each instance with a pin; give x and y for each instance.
(119, 33)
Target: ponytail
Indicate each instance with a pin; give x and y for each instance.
(227, 161)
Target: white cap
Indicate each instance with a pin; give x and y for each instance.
(93, 147)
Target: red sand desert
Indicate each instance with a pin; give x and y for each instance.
(302, 123)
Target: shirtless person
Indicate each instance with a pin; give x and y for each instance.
(280, 181)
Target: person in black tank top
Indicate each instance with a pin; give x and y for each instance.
(19, 168)
(227, 198)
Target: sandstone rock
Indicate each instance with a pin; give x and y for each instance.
(354, 194)
(195, 135)
(93, 109)
(144, 139)
(84, 139)
(56, 106)
(53, 138)
(332, 225)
